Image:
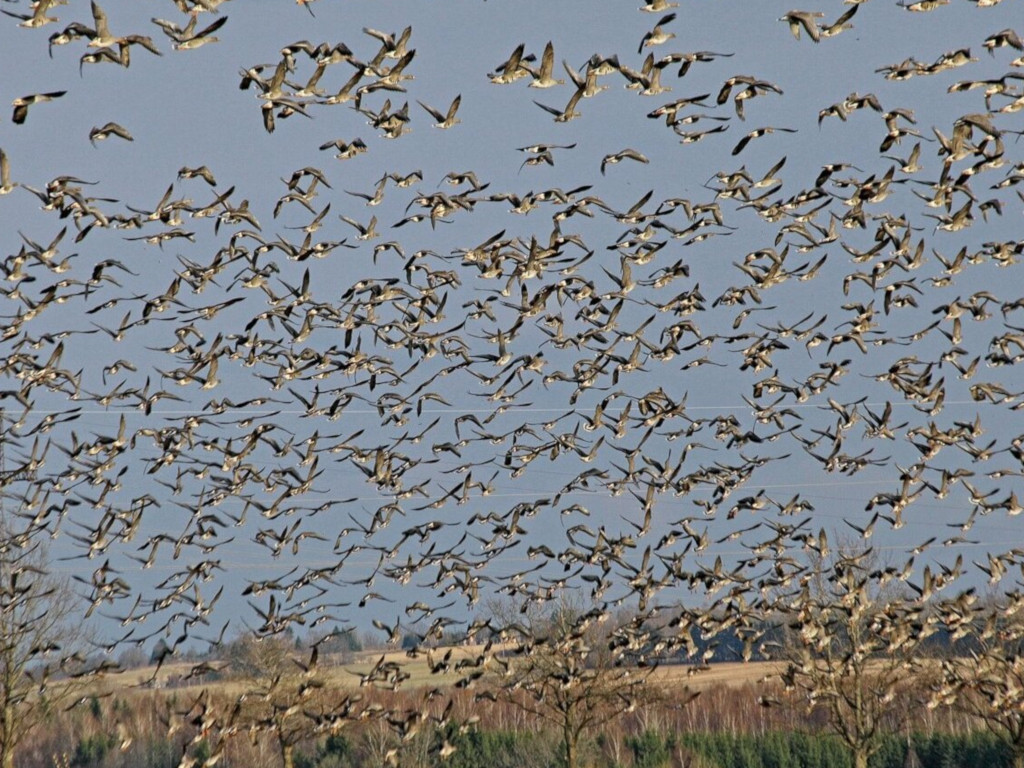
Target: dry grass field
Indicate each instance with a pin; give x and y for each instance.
(348, 675)
(727, 673)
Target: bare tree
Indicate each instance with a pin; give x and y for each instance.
(849, 646)
(286, 694)
(986, 680)
(562, 670)
(277, 690)
(40, 667)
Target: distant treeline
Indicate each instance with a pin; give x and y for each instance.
(728, 645)
(777, 749)
(529, 748)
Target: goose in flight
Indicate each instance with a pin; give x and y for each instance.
(513, 68)
(108, 130)
(6, 186)
(1002, 39)
(805, 19)
(658, 6)
(625, 154)
(187, 38)
(22, 104)
(569, 113)
(542, 78)
(101, 37)
(756, 134)
(391, 48)
(447, 120)
(38, 17)
(346, 149)
(657, 36)
(367, 231)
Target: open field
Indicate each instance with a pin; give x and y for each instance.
(731, 673)
(348, 674)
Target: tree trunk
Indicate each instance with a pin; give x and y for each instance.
(288, 755)
(571, 745)
(860, 759)
(1018, 758)
(7, 740)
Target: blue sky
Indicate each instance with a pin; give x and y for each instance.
(185, 109)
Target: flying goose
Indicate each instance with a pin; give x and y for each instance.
(625, 154)
(201, 172)
(110, 129)
(38, 17)
(588, 82)
(366, 232)
(391, 48)
(657, 36)
(756, 134)
(542, 78)
(101, 37)
(6, 186)
(22, 104)
(805, 19)
(1002, 39)
(512, 68)
(839, 25)
(345, 149)
(187, 38)
(657, 6)
(569, 113)
(444, 120)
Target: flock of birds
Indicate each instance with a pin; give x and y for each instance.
(597, 396)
